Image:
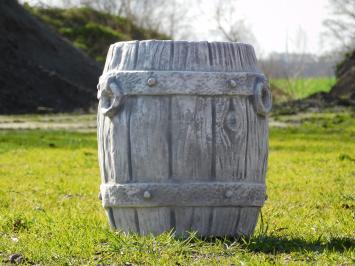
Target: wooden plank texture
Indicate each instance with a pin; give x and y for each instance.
(149, 138)
(183, 138)
(192, 139)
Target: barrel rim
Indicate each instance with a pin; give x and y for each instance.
(185, 41)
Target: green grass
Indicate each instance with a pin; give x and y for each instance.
(49, 211)
(302, 87)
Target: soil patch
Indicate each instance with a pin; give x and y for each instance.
(40, 71)
(315, 103)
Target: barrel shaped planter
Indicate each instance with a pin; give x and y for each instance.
(183, 137)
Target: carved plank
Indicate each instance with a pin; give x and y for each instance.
(101, 151)
(149, 143)
(154, 55)
(248, 218)
(154, 220)
(124, 219)
(150, 136)
(192, 152)
(112, 147)
(263, 148)
(183, 220)
(202, 220)
(120, 149)
(118, 142)
(257, 144)
(225, 221)
(149, 155)
(106, 142)
(231, 136)
(191, 137)
(192, 134)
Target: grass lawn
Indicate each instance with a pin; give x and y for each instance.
(303, 87)
(49, 211)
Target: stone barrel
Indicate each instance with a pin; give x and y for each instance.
(183, 137)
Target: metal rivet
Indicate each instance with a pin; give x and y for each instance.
(147, 194)
(151, 82)
(228, 194)
(233, 83)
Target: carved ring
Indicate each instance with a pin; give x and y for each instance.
(262, 98)
(110, 96)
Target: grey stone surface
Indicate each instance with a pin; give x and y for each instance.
(184, 194)
(183, 137)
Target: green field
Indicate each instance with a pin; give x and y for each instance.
(50, 214)
(302, 87)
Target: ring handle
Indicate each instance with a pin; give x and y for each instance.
(110, 96)
(262, 98)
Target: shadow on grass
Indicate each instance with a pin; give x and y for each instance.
(275, 245)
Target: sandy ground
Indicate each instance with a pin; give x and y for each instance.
(86, 123)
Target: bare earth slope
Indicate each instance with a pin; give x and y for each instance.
(40, 70)
(345, 86)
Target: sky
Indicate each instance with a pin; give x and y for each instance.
(278, 25)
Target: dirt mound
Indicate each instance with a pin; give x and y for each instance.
(314, 103)
(90, 30)
(342, 95)
(345, 86)
(38, 69)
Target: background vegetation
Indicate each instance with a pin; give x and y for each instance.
(299, 88)
(92, 31)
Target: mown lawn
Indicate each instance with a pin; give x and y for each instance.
(303, 87)
(50, 214)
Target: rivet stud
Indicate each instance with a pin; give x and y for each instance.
(233, 83)
(147, 194)
(228, 194)
(151, 82)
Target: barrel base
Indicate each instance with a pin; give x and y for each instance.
(206, 221)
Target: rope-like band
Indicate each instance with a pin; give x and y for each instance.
(183, 82)
(183, 194)
(114, 86)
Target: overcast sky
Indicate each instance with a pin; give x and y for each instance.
(280, 23)
(276, 24)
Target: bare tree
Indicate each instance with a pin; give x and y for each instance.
(229, 25)
(290, 65)
(296, 48)
(296, 55)
(341, 23)
(163, 16)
